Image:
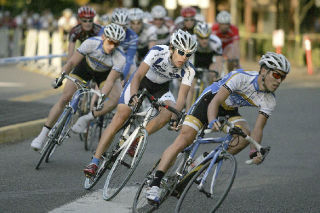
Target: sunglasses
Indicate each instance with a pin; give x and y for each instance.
(180, 52)
(110, 42)
(203, 38)
(188, 19)
(277, 75)
(87, 20)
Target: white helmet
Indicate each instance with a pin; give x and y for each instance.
(158, 11)
(135, 14)
(120, 16)
(224, 17)
(184, 41)
(114, 32)
(202, 30)
(275, 61)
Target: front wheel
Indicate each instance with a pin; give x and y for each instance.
(124, 167)
(215, 188)
(49, 145)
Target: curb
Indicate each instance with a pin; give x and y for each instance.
(21, 131)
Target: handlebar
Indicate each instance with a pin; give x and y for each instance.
(235, 130)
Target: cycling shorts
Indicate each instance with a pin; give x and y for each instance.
(84, 72)
(197, 116)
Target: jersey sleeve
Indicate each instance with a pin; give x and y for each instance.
(234, 82)
(150, 58)
(152, 33)
(119, 61)
(87, 47)
(235, 33)
(268, 106)
(189, 73)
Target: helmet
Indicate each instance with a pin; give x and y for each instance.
(188, 12)
(158, 12)
(86, 12)
(275, 61)
(120, 16)
(135, 14)
(184, 41)
(114, 32)
(202, 30)
(105, 19)
(223, 17)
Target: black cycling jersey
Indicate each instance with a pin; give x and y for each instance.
(77, 33)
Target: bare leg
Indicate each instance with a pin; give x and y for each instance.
(57, 109)
(185, 138)
(122, 114)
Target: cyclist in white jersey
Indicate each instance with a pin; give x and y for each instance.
(146, 33)
(238, 88)
(97, 58)
(162, 64)
(164, 27)
(207, 56)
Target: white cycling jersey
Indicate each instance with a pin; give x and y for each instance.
(97, 59)
(162, 70)
(244, 89)
(163, 35)
(147, 34)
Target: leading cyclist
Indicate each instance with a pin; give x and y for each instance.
(162, 64)
(97, 58)
(238, 88)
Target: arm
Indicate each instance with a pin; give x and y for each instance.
(182, 96)
(138, 76)
(107, 86)
(72, 62)
(257, 131)
(71, 47)
(213, 107)
(131, 52)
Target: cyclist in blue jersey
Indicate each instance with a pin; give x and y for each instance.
(161, 65)
(97, 58)
(129, 46)
(238, 88)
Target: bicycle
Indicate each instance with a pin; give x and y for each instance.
(60, 130)
(118, 160)
(95, 129)
(212, 177)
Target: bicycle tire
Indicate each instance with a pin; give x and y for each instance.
(93, 136)
(48, 145)
(168, 183)
(89, 183)
(114, 182)
(192, 199)
(50, 153)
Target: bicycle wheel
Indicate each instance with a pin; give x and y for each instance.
(214, 189)
(49, 144)
(124, 167)
(91, 182)
(168, 183)
(93, 135)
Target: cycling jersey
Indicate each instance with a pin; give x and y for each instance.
(161, 71)
(244, 91)
(163, 35)
(229, 37)
(204, 56)
(77, 33)
(147, 34)
(97, 59)
(129, 46)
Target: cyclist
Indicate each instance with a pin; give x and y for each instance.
(162, 64)
(164, 29)
(207, 56)
(146, 33)
(238, 88)
(129, 45)
(187, 24)
(97, 58)
(229, 35)
(85, 29)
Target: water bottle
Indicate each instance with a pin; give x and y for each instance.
(197, 161)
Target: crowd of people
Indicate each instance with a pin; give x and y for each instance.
(150, 52)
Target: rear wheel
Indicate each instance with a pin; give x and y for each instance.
(215, 189)
(124, 167)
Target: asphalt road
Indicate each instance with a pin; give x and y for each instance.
(288, 180)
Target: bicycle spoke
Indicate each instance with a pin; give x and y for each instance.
(213, 192)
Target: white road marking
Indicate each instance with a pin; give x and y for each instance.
(94, 202)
